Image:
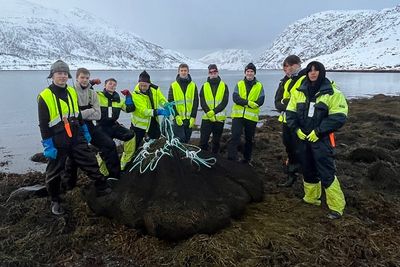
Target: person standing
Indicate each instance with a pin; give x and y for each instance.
(90, 110)
(108, 128)
(315, 111)
(248, 97)
(213, 99)
(149, 101)
(292, 80)
(64, 134)
(183, 91)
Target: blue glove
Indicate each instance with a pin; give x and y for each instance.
(128, 100)
(163, 111)
(50, 151)
(86, 133)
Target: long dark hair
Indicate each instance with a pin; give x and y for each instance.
(322, 73)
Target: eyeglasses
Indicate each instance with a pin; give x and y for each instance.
(213, 71)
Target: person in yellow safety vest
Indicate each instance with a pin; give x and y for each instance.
(316, 110)
(183, 92)
(214, 96)
(108, 128)
(90, 110)
(248, 97)
(64, 134)
(149, 101)
(292, 80)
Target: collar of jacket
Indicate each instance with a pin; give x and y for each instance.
(181, 81)
(285, 78)
(79, 87)
(296, 76)
(214, 80)
(325, 88)
(114, 97)
(250, 83)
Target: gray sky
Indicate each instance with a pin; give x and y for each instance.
(196, 28)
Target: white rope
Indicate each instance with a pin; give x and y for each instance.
(190, 151)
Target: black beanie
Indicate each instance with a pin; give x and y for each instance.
(144, 77)
(212, 67)
(250, 66)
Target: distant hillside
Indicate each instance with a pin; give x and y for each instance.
(230, 59)
(34, 36)
(348, 40)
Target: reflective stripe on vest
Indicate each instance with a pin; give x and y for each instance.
(287, 94)
(183, 102)
(68, 110)
(143, 113)
(214, 102)
(246, 112)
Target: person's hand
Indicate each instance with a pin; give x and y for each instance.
(126, 92)
(95, 81)
(49, 151)
(191, 122)
(86, 133)
(163, 112)
(312, 137)
(301, 135)
(178, 120)
(252, 104)
(210, 114)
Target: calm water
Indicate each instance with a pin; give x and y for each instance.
(19, 131)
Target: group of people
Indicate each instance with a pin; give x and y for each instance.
(312, 108)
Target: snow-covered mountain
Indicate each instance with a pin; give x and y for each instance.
(349, 40)
(34, 36)
(230, 59)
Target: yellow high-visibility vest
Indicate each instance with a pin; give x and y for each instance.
(239, 111)
(214, 102)
(69, 109)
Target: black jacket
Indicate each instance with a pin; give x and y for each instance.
(184, 84)
(214, 83)
(44, 114)
(243, 102)
(279, 95)
(322, 122)
(114, 97)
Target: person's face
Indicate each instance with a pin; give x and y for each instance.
(292, 68)
(213, 73)
(144, 86)
(183, 72)
(313, 74)
(285, 70)
(249, 74)
(111, 86)
(60, 78)
(83, 79)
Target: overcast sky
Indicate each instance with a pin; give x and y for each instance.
(196, 28)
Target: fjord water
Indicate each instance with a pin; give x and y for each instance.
(19, 131)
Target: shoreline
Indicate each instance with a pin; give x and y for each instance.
(328, 70)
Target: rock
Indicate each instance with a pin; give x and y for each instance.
(39, 157)
(178, 199)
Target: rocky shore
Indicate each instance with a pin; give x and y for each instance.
(279, 231)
